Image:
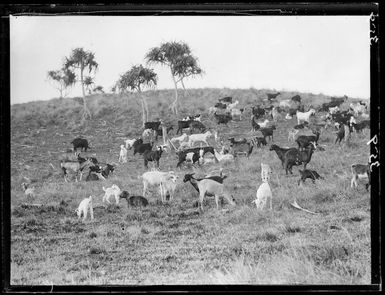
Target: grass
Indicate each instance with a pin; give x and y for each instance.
(173, 243)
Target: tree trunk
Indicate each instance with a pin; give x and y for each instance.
(174, 105)
(184, 88)
(143, 111)
(86, 111)
(146, 107)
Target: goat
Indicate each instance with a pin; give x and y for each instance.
(357, 108)
(209, 187)
(179, 139)
(222, 118)
(28, 191)
(80, 143)
(265, 172)
(152, 156)
(197, 125)
(130, 142)
(280, 152)
(285, 103)
(151, 178)
(232, 105)
(334, 110)
(203, 160)
(296, 157)
(182, 154)
(304, 116)
(242, 148)
(360, 171)
(152, 125)
(134, 201)
(258, 112)
(268, 131)
(220, 105)
(202, 137)
(263, 194)
(271, 96)
(358, 127)
(143, 147)
(167, 188)
(263, 124)
(304, 140)
(254, 125)
(122, 154)
(75, 167)
(107, 170)
(114, 190)
(313, 175)
(275, 113)
(223, 157)
(227, 99)
(340, 134)
(258, 141)
(84, 206)
(296, 98)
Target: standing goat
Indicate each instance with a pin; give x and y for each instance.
(360, 171)
(122, 154)
(84, 206)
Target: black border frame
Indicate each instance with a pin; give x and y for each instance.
(287, 9)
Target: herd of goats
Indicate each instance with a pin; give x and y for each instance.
(188, 153)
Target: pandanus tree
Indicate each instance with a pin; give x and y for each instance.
(82, 60)
(62, 80)
(136, 79)
(182, 64)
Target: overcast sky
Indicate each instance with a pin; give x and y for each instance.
(318, 54)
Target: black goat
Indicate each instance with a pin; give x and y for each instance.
(268, 131)
(227, 99)
(340, 134)
(254, 125)
(197, 125)
(304, 140)
(152, 156)
(152, 125)
(80, 143)
(134, 201)
(258, 112)
(297, 157)
(361, 125)
(280, 152)
(313, 175)
(296, 98)
(142, 147)
(271, 96)
(220, 105)
(222, 118)
(182, 154)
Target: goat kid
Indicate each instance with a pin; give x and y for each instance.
(85, 206)
(114, 190)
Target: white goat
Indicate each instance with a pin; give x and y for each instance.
(285, 103)
(129, 143)
(334, 110)
(152, 178)
(263, 124)
(360, 171)
(201, 137)
(114, 190)
(302, 117)
(167, 187)
(357, 108)
(179, 139)
(263, 193)
(122, 154)
(223, 157)
(84, 206)
(232, 105)
(265, 172)
(28, 191)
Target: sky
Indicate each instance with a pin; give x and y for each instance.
(317, 54)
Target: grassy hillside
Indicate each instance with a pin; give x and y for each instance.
(173, 243)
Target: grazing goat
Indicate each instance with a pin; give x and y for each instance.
(84, 206)
(209, 187)
(202, 137)
(192, 157)
(223, 157)
(227, 99)
(152, 178)
(75, 167)
(80, 143)
(313, 175)
(268, 132)
(222, 118)
(304, 116)
(134, 201)
(28, 191)
(114, 190)
(297, 157)
(360, 171)
(183, 125)
(304, 140)
(263, 194)
(122, 155)
(152, 156)
(242, 148)
(280, 152)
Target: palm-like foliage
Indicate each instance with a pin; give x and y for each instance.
(63, 79)
(81, 60)
(177, 56)
(137, 78)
